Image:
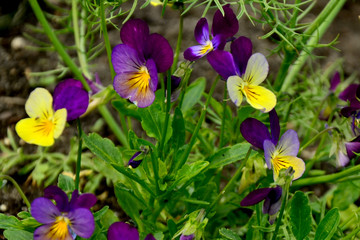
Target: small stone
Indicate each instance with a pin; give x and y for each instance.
(18, 43)
(3, 207)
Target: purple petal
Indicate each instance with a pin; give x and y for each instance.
(289, 144)
(218, 42)
(86, 200)
(255, 197)
(74, 99)
(159, 50)
(352, 148)
(134, 163)
(187, 237)
(122, 231)
(343, 160)
(241, 50)
(272, 202)
(269, 149)
(82, 222)
(274, 126)
(43, 233)
(335, 80)
(349, 94)
(135, 33)
(255, 132)
(201, 32)
(94, 86)
(126, 59)
(44, 211)
(227, 25)
(150, 237)
(222, 62)
(348, 111)
(194, 53)
(60, 197)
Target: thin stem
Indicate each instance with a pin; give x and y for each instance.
(178, 44)
(231, 183)
(78, 161)
(223, 120)
(18, 188)
(167, 112)
(315, 137)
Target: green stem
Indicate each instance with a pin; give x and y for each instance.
(231, 183)
(223, 120)
(198, 126)
(316, 136)
(78, 161)
(167, 112)
(156, 171)
(327, 178)
(352, 234)
(106, 38)
(283, 204)
(18, 188)
(178, 44)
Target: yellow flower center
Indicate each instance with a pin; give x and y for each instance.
(59, 229)
(45, 126)
(206, 48)
(249, 93)
(140, 80)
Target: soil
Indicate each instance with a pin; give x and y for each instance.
(17, 61)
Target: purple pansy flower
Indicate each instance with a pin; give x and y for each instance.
(71, 95)
(352, 95)
(272, 197)
(243, 72)
(223, 27)
(137, 62)
(135, 163)
(124, 231)
(67, 219)
(350, 152)
(187, 237)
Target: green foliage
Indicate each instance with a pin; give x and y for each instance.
(328, 226)
(300, 215)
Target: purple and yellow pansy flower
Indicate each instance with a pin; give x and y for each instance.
(243, 73)
(138, 61)
(65, 220)
(44, 124)
(223, 27)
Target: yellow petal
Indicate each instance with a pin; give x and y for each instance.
(260, 98)
(39, 104)
(234, 84)
(59, 121)
(284, 162)
(36, 131)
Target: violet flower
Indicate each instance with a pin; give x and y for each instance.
(243, 73)
(137, 62)
(223, 27)
(71, 95)
(187, 237)
(272, 203)
(67, 219)
(135, 163)
(352, 95)
(124, 231)
(351, 151)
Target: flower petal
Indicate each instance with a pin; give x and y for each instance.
(255, 197)
(218, 42)
(257, 69)
(126, 59)
(135, 163)
(43, 233)
(85, 200)
(289, 144)
(241, 50)
(201, 31)
(349, 93)
(274, 126)
(39, 104)
(122, 231)
(150, 237)
(269, 150)
(335, 80)
(272, 202)
(284, 162)
(187, 237)
(135, 33)
(255, 132)
(352, 148)
(44, 211)
(159, 50)
(60, 197)
(226, 25)
(342, 159)
(222, 62)
(36, 131)
(233, 85)
(59, 121)
(260, 98)
(82, 222)
(196, 52)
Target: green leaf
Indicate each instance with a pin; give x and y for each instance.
(103, 148)
(12, 234)
(345, 194)
(178, 127)
(300, 215)
(24, 214)
(108, 218)
(9, 222)
(193, 94)
(99, 214)
(229, 155)
(188, 172)
(229, 234)
(172, 227)
(66, 183)
(328, 226)
(126, 108)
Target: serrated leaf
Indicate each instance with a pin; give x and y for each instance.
(9, 222)
(103, 148)
(300, 215)
(229, 155)
(188, 172)
(229, 234)
(193, 94)
(66, 183)
(328, 225)
(12, 234)
(24, 214)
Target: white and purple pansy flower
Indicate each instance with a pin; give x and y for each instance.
(223, 27)
(65, 220)
(243, 72)
(138, 61)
